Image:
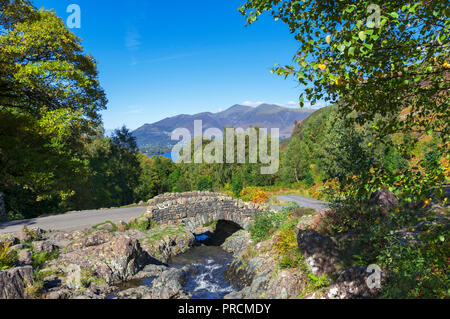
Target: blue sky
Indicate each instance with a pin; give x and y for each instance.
(162, 58)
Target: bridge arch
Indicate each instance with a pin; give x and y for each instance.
(195, 209)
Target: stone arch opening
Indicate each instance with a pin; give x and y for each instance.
(222, 230)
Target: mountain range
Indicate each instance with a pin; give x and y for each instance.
(264, 116)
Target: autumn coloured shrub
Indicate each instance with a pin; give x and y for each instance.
(8, 257)
(254, 194)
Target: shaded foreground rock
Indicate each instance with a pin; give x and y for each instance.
(386, 200)
(168, 285)
(321, 252)
(13, 282)
(353, 284)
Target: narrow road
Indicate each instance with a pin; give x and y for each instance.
(302, 201)
(75, 220)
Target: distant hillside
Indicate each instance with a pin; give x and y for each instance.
(264, 116)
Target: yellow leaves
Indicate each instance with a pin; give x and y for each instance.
(427, 202)
(328, 39)
(254, 194)
(322, 66)
(340, 82)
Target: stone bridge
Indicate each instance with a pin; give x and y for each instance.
(196, 209)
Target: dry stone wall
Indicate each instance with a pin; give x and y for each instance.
(195, 209)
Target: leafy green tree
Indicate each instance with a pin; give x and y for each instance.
(50, 100)
(386, 61)
(125, 165)
(205, 184)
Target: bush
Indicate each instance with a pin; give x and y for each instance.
(205, 184)
(236, 186)
(265, 224)
(417, 271)
(39, 259)
(142, 223)
(8, 257)
(254, 194)
(309, 180)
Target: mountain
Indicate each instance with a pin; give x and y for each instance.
(264, 116)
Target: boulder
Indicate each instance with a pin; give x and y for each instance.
(22, 236)
(114, 259)
(4, 238)
(352, 283)
(25, 257)
(237, 243)
(122, 226)
(13, 282)
(170, 285)
(386, 200)
(43, 246)
(321, 252)
(287, 285)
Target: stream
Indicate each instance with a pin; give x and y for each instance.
(207, 263)
(205, 279)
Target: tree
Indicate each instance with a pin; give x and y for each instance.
(387, 62)
(50, 100)
(125, 164)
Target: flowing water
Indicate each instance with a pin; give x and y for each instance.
(206, 263)
(206, 276)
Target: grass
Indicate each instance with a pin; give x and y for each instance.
(98, 226)
(212, 224)
(39, 259)
(142, 224)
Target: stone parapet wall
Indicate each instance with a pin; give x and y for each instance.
(176, 196)
(198, 208)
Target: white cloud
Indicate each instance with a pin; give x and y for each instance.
(253, 104)
(132, 37)
(290, 104)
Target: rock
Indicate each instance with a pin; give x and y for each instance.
(25, 257)
(58, 294)
(5, 238)
(386, 200)
(122, 226)
(107, 226)
(115, 258)
(22, 236)
(352, 284)
(150, 271)
(18, 247)
(43, 246)
(91, 240)
(162, 248)
(321, 252)
(13, 282)
(73, 276)
(237, 243)
(170, 285)
(141, 292)
(287, 285)
(59, 239)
